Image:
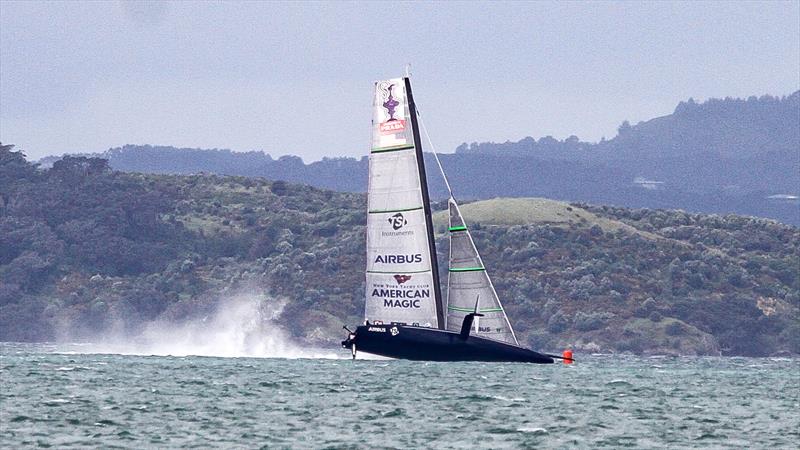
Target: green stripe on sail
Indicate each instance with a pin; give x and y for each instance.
(466, 269)
(458, 228)
(393, 148)
(469, 310)
(400, 272)
(378, 211)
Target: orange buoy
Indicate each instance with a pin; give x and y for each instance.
(567, 356)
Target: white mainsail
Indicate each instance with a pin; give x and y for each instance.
(401, 284)
(469, 283)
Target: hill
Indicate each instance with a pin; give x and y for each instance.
(728, 128)
(720, 156)
(532, 211)
(86, 251)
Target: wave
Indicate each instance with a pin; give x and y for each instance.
(244, 325)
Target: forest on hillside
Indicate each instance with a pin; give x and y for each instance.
(729, 128)
(85, 249)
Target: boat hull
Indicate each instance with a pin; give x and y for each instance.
(430, 344)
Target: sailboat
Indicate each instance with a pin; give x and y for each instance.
(406, 315)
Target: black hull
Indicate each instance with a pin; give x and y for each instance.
(430, 344)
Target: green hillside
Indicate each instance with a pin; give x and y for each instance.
(85, 251)
(532, 211)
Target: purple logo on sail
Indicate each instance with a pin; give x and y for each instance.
(390, 104)
(393, 125)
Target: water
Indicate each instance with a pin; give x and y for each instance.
(53, 398)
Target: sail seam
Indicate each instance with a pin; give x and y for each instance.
(379, 211)
(466, 269)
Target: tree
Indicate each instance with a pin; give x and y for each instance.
(14, 168)
(73, 169)
(624, 128)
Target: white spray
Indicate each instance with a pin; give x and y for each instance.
(244, 325)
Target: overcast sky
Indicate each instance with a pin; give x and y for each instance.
(296, 78)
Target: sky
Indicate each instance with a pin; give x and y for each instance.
(297, 78)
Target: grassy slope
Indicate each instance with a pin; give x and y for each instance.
(533, 211)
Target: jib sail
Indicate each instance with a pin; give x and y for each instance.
(469, 283)
(402, 278)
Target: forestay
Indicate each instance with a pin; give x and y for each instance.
(400, 282)
(468, 282)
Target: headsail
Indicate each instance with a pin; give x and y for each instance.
(402, 279)
(469, 283)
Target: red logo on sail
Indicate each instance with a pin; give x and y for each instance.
(393, 126)
(402, 278)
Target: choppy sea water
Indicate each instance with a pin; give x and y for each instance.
(52, 396)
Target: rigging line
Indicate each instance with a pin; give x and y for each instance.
(435, 153)
(450, 191)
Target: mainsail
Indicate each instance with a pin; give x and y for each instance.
(402, 276)
(469, 283)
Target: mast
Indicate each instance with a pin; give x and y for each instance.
(426, 204)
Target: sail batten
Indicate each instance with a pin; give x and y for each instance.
(395, 148)
(380, 211)
(466, 269)
(468, 310)
(468, 281)
(401, 274)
